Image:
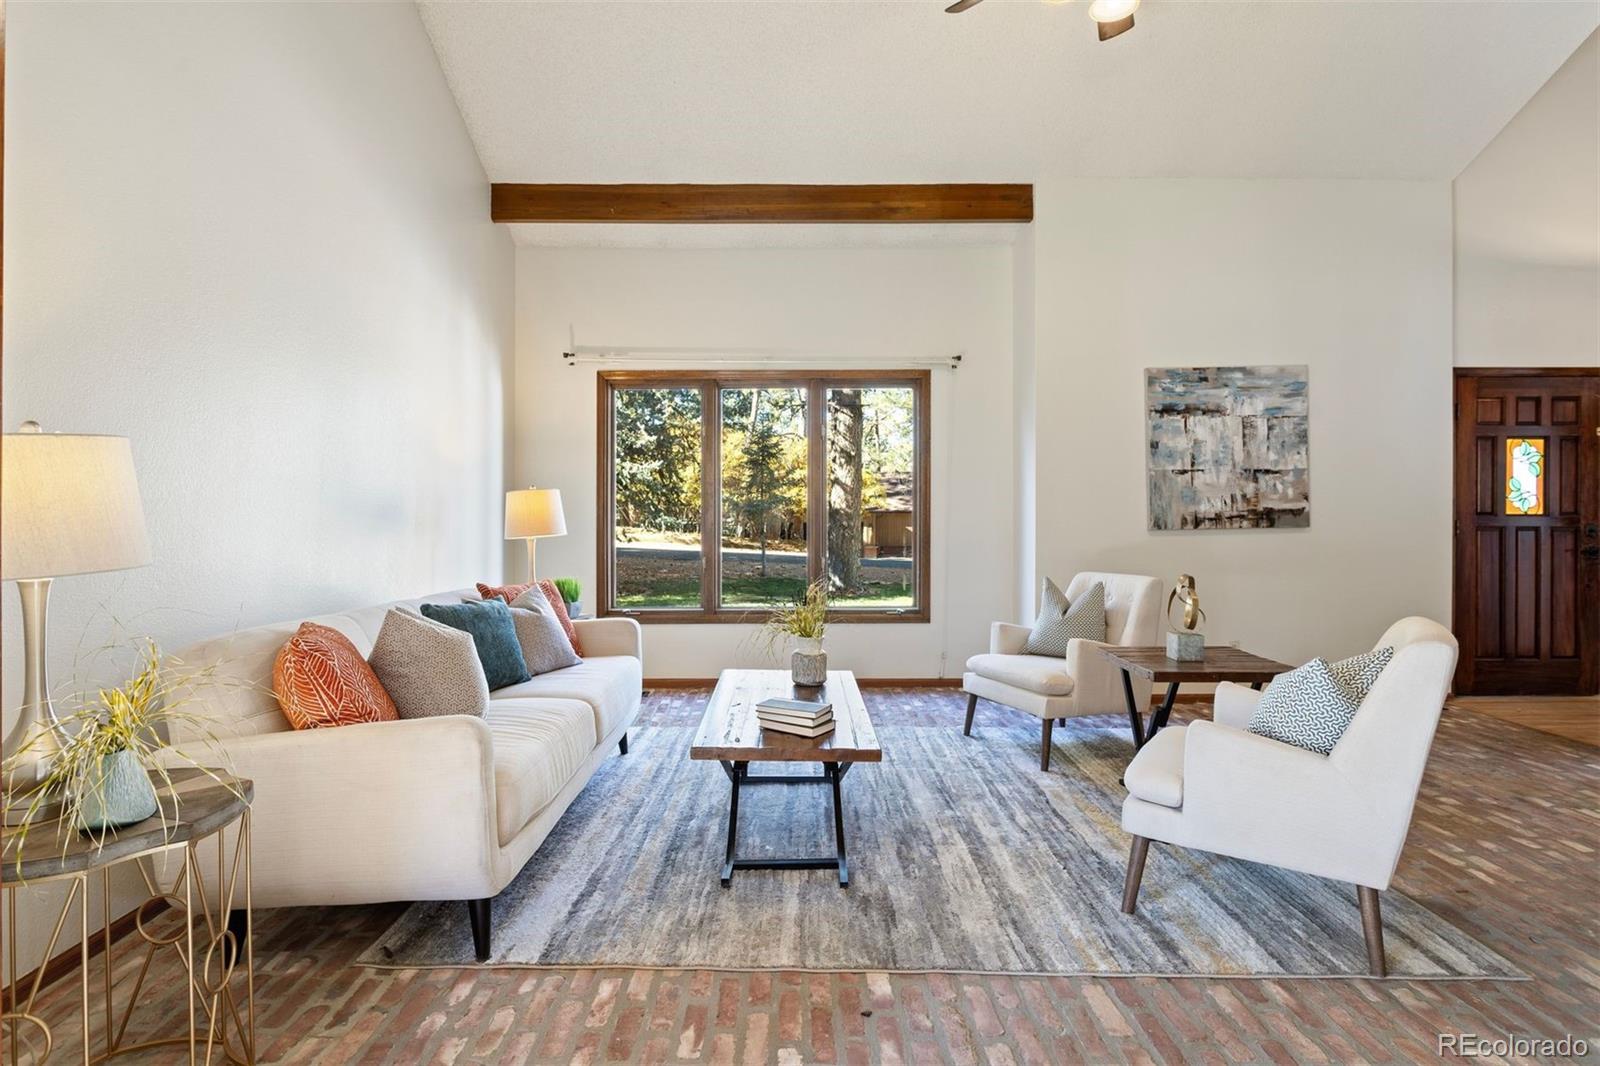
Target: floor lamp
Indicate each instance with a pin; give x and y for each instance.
(71, 507)
(531, 514)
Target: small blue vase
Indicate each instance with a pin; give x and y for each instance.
(118, 793)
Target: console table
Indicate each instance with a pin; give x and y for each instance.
(1220, 664)
(197, 806)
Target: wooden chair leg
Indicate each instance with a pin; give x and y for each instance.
(1044, 747)
(972, 706)
(1130, 887)
(1372, 929)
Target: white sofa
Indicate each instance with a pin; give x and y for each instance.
(1345, 815)
(1084, 681)
(419, 809)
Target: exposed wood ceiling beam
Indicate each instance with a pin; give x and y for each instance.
(761, 203)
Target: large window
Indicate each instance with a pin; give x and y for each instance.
(723, 494)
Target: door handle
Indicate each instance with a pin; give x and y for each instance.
(1590, 551)
(1591, 530)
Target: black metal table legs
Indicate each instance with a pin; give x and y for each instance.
(1159, 721)
(1135, 718)
(739, 775)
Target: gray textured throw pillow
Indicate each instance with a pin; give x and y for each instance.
(428, 668)
(545, 646)
(1060, 619)
(1312, 705)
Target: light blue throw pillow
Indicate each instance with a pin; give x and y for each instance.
(1312, 705)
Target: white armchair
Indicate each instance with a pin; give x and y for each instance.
(1214, 786)
(1084, 681)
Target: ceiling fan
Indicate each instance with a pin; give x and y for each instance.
(1111, 16)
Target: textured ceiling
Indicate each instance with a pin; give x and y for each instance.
(1013, 90)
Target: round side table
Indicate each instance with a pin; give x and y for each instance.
(213, 939)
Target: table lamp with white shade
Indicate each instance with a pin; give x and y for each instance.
(533, 513)
(69, 504)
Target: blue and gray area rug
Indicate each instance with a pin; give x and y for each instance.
(964, 857)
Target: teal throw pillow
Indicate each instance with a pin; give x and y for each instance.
(493, 633)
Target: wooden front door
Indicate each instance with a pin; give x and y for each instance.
(1527, 532)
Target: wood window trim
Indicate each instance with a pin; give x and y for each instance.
(711, 383)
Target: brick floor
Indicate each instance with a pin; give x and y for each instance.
(1505, 842)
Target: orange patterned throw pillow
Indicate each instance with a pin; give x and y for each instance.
(559, 605)
(502, 592)
(321, 680)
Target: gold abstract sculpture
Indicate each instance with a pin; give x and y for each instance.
(1184, 643)
(1186, 594)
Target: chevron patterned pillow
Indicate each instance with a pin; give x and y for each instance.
(1312, 705)
(1060, 619)
(1360, 672)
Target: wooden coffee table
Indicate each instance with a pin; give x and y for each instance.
(1220, 664)
(730, 733)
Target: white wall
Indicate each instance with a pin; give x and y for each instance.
(1024, 428)
(1527, 230)
(867, 302)
(1349, 278)
(253, 238)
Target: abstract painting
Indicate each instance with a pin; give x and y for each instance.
(1229, 447)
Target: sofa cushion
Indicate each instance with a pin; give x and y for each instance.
(545, 646)
(609, 684)
(428, 668)
(489, 622)
(1044, 674)
(538, 746)
(321, 680)
(1156, 773)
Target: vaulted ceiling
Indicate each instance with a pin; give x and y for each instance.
(1013, 90)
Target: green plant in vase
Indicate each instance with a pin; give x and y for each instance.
(805, 621)
(571, 590)
(111, 743)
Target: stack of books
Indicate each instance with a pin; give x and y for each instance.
(803, 718)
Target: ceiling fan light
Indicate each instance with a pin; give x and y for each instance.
(1113, 10)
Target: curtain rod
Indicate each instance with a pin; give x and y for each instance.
(589, 353)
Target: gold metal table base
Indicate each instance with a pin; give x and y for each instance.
(220, 1027)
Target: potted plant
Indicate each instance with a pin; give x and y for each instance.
(112, 743)
(571, 590)
(805, 620)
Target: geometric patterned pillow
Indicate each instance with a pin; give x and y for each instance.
(320, 680)
(428, 668)
(1312, 705)
(1061, 620)
(1360, 672)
